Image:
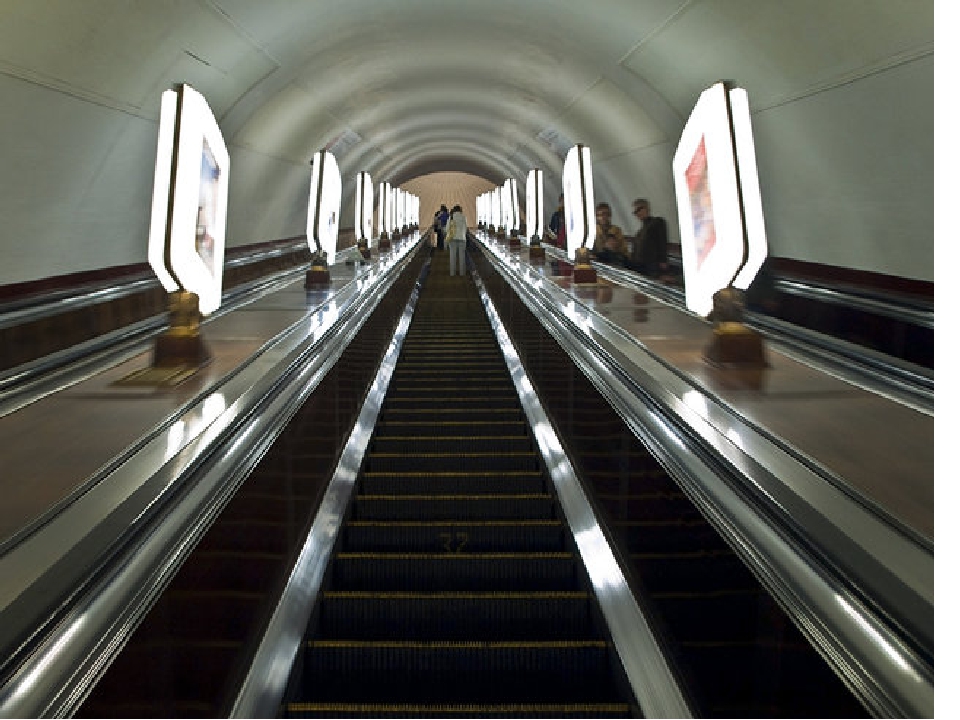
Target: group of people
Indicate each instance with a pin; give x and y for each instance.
(450, 227)
(645, 252)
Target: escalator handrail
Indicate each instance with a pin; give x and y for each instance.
(878, 372)
(26, 383)
(128, 550)
(795, 552)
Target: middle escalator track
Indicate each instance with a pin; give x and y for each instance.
(455, 588)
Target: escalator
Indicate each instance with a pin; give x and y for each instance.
(454, 588)
(737, 651)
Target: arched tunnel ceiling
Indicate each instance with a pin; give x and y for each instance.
(475, 82)
(484, 88)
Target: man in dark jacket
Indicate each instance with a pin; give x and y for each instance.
(649, 253)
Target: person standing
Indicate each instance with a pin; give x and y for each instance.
(457, 240)
(612, 245)
(442, 217)
(557, 230)
(649, 254)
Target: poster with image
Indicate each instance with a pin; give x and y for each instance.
(701, 204)
(207, 209)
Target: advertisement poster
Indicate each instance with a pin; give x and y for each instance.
(207, 209)
(701, 205)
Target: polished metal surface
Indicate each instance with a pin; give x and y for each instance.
(656, 690)
(816, 547)
(63, 557)
(898, 380)
(32, 381)
(262, 690)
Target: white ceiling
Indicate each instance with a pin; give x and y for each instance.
(486, 87)
(434, 84)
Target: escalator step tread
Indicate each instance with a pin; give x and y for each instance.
(394, 710)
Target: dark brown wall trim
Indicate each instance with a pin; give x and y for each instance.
(73, 281)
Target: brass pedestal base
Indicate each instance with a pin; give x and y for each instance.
(317, 277)
(384, 244)
(173, 349)
(537, 254)
(180, 351)
(365, 253)
(736, 345)
(584, 274)
(514, 242)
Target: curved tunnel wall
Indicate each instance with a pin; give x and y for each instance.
(841, 93)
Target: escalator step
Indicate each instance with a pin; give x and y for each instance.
(437, 393)
(455, 615)
(440, 428)
(408, 412)
(489, 407)
(458, 671)
(395, 710)
(448, 536)
(452, 507)
(420, 444)
(528, 482)
(455, 571)
(451, 462)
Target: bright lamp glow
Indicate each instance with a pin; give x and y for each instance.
(506, 207)
(709, 202)
(382, 207)
(578, 200)
(323, 210)
(535, 203)
(749, 188)
(190, 188)
(513, 203)
(363, 218)
(388, 208)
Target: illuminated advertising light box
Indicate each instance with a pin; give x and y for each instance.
(756, 231)
(363, 218)
(497, 208)
(397, 207)
(514, 204)
(707, 178)
(506, 207)
(578, 200)
(388, 212)
(323, 209)
(535, 203)
(189, 213)
(382, 207)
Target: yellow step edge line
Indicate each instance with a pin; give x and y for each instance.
(474, 496)
(456, 595)
(451, 523)
(408, 438)
(520, 709)
(455, 556)
(458, 644)
(455, 474)
(452, 454)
